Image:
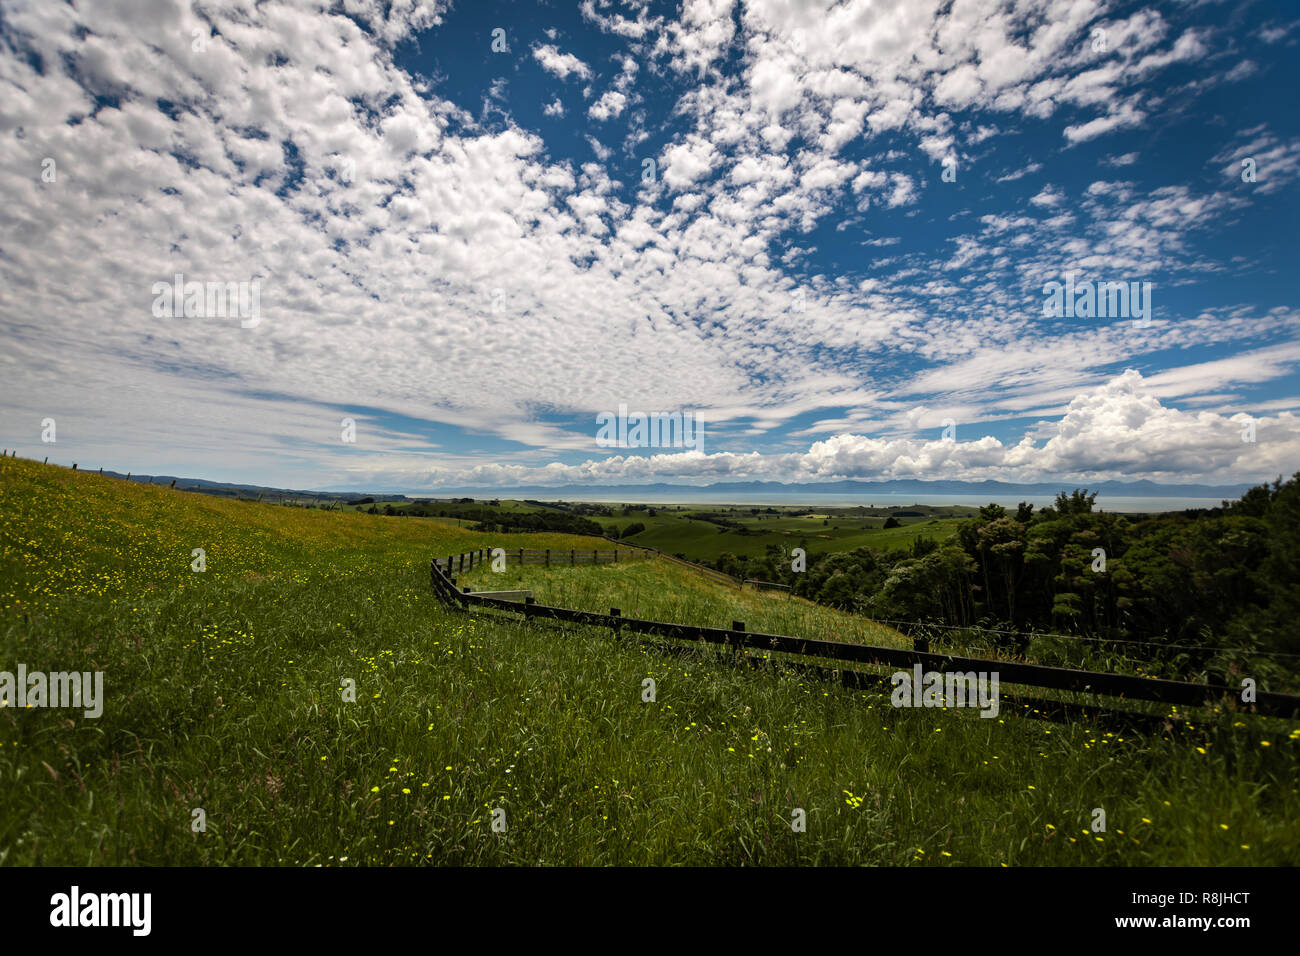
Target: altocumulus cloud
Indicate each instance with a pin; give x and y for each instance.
(473, 285)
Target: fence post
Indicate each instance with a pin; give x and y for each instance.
(615, 612)
(736, 647)
(548, 557)
(616, 555)
(528, 607)
(573, 557)
(521, 557)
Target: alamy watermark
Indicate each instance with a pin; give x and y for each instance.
(209, 300)
(1102, 300)
(650, 430)
(55, 689)
(75, 908)
(952, 689)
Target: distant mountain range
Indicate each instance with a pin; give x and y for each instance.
(231, 490)
(748, 489)
(893, 486)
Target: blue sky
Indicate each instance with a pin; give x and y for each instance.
(476, 226)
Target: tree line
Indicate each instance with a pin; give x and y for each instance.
(1222, 577)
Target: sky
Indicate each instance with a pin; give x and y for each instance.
(826, 229)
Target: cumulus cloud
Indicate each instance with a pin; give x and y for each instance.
(1272, 161)
(609, 105)
(1048, 197)
(560, 64)
(436, 274)
(1116, 431)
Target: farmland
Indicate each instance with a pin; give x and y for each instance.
(226, 692)
(705, 533)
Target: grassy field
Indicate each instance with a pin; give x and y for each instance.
(824, 532)
(224, 693)
(660, 590)
(683, 530)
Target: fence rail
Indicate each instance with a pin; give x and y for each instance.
(546, 557)
(720, 576)
(1152, 689)
(773, 585)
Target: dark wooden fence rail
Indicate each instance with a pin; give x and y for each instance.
(771, 585)
(714, 573)
(546, 557)
(1009, 672)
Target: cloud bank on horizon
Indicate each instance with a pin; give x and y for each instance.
(825, 227)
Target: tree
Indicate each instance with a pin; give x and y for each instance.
(1078, 503)
(1002, 544)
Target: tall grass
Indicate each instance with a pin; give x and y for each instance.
(661, 590)
(224, 693)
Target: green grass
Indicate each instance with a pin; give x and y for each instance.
(660, 590)
(223, 692)
(675, 530)
(704, 541)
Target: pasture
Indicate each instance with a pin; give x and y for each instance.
(226, 691)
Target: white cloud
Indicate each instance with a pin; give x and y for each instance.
(688, 162)
(1049, 197)
(609, 105)
(1275, 162)
(470, 275)
(1020, 173)
(561, 64)
(1125, 116)
(1117, 430)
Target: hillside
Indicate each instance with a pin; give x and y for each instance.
(661, 590)
(224, 692)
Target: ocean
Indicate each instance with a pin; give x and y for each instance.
(1118, 504)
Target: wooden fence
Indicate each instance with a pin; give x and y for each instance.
(769, 585)
(544, 557)
(720, 576)
(1157, 690)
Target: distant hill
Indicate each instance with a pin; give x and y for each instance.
(895, 486)
(786, 490)
(229, 489)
